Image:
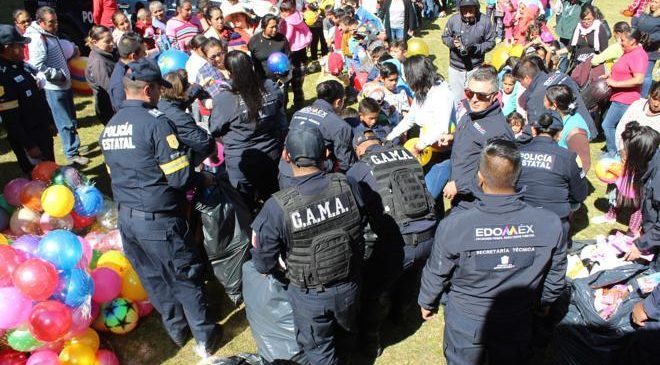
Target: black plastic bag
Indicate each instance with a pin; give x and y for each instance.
(270, 316)
(583, 337)
(227, 234)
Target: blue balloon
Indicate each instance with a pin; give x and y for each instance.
(278, 63)
(61, 248)
(76, 287)
(172, 60)
(89, 201)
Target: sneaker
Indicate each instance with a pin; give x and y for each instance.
(78, 160)
(206, 349)
(605, 218)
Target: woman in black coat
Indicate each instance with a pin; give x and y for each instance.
(265, 43)
(399, 18)
(101, 62)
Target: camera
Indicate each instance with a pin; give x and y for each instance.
(461, 50)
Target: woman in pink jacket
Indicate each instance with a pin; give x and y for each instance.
(299, 36)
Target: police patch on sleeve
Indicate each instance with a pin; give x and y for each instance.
(2, 90)
(156, 113)
(172, 141)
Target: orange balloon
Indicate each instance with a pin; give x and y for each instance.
(31, 195)
(44, 171)
(131, 287)
(77, 354)
(608, 169)
(90, 338)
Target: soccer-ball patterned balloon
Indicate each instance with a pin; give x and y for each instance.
(121, 315)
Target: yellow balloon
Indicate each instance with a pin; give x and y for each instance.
(77, 354)
(3, 240)
(57, 201)
(426, 154)
(499, 56)
(417, 46)
(517, 50)
(131, 287)
(115, 260)
(90, 339)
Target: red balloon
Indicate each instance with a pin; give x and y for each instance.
(11, 357)
(106, 357)
(36, 278)
(9, 261)
(80, 222)
(50, 321)
(44, 171)
(31, 195)
(144, 308)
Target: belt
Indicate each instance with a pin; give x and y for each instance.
(412, 239)
(147, 216)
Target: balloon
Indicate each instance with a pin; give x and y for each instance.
(81, 318)
(36, 279)
(627, 13)
(172, 60)
(89, 201)
(77, 354)
(424, 156)
(69, 176)
(44, 171)
(48, 223)
(106, 357)
(78, 287)
(608, 169)
(121, 315)
(4, 219)
(601, 91)
(94, 238)
(417, 46)
(131, 287)
(144, 308)
(77, 66)
(80, 222)
(30, 195)
(23, 221)
(115, 260)
(50, 321)
(499, 56)
(60, 247)
(220, 155)
(12, 190)
(107, 284)
(5, 205)
(86, 258)
(278, 63)
(22, 340)
(11, 357)
(107, 216)
(57, 201)
(517, 50)
(16, 307)
(9, 261)
(28, 244)
(3, 240)
(43, 357)
(111, 241)
(89, 338)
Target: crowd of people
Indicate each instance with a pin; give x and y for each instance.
(347, 204)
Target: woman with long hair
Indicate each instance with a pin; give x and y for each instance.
(100, 64)
(250, 119)
(265, 43)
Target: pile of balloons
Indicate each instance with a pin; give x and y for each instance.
(54, 284)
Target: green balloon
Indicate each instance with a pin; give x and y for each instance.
(4, 205)
(23, 341)
(96, 254)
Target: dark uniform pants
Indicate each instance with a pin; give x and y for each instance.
(325, 321)
(42, 139)
(473, 342)
(170, 270)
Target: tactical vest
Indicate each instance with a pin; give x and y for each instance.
(401, 185)
(325, 233)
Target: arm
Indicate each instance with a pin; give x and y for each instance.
(650, 240)
(463, 162)
(602, 37)
(39, 58)
(405, 124)
(627, 117)
(343, 148)
(488, 40)
(555, 280)
(172, 161)
(652, 304)
(193, 136)
(578, 142)
(267, 238)
(577, 185)
(438, 270)
(220, 120)
(10, 116)
(448, 35)
(610, 53)
(443, 109)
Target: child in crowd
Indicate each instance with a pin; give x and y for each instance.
(516, 121)
(338, 32)
(398, 49)
(508, 20)
(122, 25)
(375, 54)
(144, 27)
(395, 104)
(348, 26)
(371, 118)
(509, 93)
(329, 26)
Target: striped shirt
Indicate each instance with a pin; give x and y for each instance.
(181, 32)
(48, 57)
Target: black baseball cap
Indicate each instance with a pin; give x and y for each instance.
(305, 145)
(146, 70)
(10, 35)
(462, 3)
(363, 135)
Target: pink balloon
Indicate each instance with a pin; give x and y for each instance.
(48, 223)
(12, 191)
(94, 238)
(16, 307)
(106, 357)
(220, 156)
(43, 357)
(87, 254)
(144, 308)
(107, 285)
(81, 318)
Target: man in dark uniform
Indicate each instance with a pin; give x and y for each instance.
(130, 49)
(150, 173)
(315, 226)
(550, 174)
(337, 134)
(479, 120)
(494, 262)
(402, 221)
(24, 111)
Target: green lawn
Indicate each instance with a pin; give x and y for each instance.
(410, 342)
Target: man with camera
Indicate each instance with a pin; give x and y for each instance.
(469, 35)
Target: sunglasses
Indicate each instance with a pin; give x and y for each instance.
(480, 96)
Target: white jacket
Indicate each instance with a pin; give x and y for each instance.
(48, 54)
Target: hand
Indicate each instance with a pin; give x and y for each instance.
(411, 32)
(639, 315)
(611, 82)
(450, 190)
(34, 152)
(427, 314)
(457, 43)
(632, 254)
(445, 140)
(416, 151)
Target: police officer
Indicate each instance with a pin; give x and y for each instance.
(337, 134)
(402, 222)
(315, 226)
(494, 262)
(479, 120)
(24, 111)
(550, 174)
(150, 173)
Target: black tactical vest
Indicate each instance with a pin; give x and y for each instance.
(401, 185)
(325, 233)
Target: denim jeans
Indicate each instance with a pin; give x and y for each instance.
(61, 105)
(431, 10)
(437, 177)
(397, 33)
(614, 114)
(648, 79)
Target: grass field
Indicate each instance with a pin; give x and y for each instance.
(410, 342)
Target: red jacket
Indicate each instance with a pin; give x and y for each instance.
(103, 10)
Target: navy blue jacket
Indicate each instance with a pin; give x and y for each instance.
(230, 120)
(116, 87)
(483, 256)
(650, 240)
(551, 176)
(199, 142)
(472, 133)
(148, 165)
(478, 39)
(270, 234)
